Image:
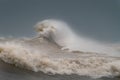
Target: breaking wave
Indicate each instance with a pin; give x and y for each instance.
(47, 53)
(61, 33)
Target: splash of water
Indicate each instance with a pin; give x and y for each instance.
(61, 34)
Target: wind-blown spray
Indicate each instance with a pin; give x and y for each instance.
(61, 34)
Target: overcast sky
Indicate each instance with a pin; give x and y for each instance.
(99, 19)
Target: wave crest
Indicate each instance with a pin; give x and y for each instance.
(61, 33)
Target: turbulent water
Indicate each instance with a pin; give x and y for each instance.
(48, 53)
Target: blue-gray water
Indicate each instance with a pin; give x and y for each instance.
(98, 19)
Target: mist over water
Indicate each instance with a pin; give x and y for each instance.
(56, 49)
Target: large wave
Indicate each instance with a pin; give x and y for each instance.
(61, 34)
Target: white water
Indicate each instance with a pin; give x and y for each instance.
(41, 54)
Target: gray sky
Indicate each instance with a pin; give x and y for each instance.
(99, 19)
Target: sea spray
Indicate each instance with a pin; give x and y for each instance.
(61, 33)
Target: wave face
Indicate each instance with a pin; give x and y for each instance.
(43, 53)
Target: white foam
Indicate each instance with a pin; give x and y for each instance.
(88, 64)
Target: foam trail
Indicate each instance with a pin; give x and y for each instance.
(61, 34)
